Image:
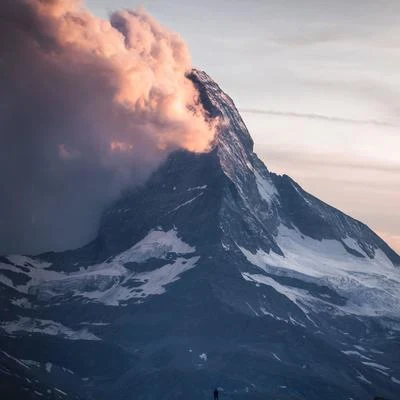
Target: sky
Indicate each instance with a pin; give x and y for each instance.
(318, 85)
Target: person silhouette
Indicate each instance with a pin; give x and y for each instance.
(216, 394)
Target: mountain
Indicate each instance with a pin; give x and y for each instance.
(215, 273)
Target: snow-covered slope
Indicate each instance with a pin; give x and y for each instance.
(113, 282)
(215, 272)
(371, 286)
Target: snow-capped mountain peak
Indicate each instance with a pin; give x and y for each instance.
(216, 272)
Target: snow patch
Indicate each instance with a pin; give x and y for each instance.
(225, 246)
(299, 297)
(362, 378)
(186, 203)
(48, 367)
(266, 188)
(353, 244)
(252, 309)
(154, 282)
(355, 353)
(60, 391)
(21, 302)
(32, 363)
(301, 194)
(395, 380)
(375, 365)
(34, 269)
(197, 188)
(110, 282)
(360, 347)
(157, 244)
(68, 370)
(17, 360)
(265, 312)
(46, 327)
(276, 357)
(24, 261)
(145, 283)
(372, 286)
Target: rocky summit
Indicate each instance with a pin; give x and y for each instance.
(215, 273)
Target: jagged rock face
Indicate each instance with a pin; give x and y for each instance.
(216, 272)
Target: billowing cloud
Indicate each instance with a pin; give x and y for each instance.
(88, 107)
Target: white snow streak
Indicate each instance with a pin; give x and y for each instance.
(375, 365)
(276, 357)
(266, 188)
(186, 203)
(46, 327)
(197, 188)
(361, 377)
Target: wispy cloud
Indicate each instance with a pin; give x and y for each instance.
(322, 117)
(334, 160)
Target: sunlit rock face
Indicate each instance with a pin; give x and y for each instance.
(214, 273)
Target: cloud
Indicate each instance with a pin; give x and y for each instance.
(88, 107)
(321, 117)
(328, 160)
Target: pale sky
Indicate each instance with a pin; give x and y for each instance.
(318, 85)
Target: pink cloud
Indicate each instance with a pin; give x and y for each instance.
(90, 107)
